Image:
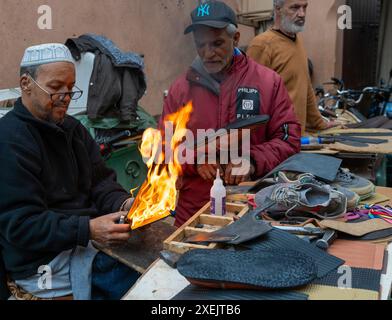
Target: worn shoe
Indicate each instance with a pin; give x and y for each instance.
(361, 186)
(294, 199)
(353, 199)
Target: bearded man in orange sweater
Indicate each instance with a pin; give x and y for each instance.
(281, 49)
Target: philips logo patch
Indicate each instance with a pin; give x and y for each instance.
(248, 105)
(248, 102)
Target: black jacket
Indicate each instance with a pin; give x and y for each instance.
(52, 180)
(115, 90)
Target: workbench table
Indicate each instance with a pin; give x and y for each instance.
(161, 282)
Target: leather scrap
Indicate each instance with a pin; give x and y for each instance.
(359, 254)
(323, 167)
(249, 227)
(375, 237)
(377, 198)
(321, 292)
(198, 293)
(357, 229)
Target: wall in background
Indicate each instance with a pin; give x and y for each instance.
(385, 55)
(323, 39)
(152, 27)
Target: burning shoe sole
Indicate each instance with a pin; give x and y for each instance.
(157, 197)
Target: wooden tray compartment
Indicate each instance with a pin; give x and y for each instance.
(202, 222)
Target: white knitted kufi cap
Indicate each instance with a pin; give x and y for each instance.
(46, 53)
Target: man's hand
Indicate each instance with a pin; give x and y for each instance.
(333, 124)
(105, 229)
(238, 173)
(208, 171)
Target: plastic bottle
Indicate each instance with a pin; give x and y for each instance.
(218, 197)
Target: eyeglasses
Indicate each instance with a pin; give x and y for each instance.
(60, 96)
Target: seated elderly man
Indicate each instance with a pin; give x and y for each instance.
(56, 192)
(225, 85)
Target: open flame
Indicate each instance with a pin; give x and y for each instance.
(158, 194)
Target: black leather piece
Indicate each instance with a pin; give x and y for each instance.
(249, 227)
(376, 235)
(365, 140)
(249, 123)
(322, 167)
(277, 239)
(198, 293)
(264, 269)
(376, 122)
(366, 279)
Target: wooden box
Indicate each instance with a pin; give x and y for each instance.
(202, 222)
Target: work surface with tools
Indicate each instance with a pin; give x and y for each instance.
(370, 263)
(364, 159)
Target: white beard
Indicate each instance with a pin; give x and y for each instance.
(290, 27)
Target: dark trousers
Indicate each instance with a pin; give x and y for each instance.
(111, 279)
(4, 292)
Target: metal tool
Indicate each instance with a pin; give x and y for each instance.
(122, 220)
(340, 138)
(303, 231)
(328, 238)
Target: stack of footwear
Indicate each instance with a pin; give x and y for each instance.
(352, 197)
(362, 187)
(353, 186)
(302, 194)
(304, 198)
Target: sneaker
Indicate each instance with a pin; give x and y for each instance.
(353, 199)
(296, 198)
(361, 186)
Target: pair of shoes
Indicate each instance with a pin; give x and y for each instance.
(353, 198)
(361, 186)
(298, 198)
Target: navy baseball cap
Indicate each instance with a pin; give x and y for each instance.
(215, 14)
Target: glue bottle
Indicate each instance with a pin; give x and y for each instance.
(218, 197)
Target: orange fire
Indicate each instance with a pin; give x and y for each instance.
(157, 196)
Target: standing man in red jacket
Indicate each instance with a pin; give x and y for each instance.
(225, 85)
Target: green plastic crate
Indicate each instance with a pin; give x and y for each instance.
(129, 166)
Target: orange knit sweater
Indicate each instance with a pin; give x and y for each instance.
(288, 58)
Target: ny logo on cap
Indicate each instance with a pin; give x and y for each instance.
(203, 10)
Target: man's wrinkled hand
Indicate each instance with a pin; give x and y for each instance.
(238, 173)
(107, 231)
(208, 171)
(334, 124)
